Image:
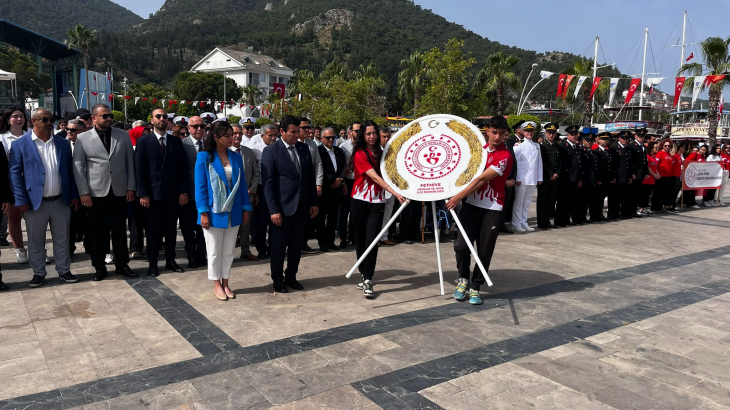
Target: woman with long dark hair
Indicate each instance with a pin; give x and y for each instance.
(368, 200)
(664, 187)
(13, 125)
(221, 197)
(677, 166)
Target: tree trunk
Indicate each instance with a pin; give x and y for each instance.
(500, 98)
(715, 92)
(587, 107)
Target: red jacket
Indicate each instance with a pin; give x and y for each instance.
(666, 163)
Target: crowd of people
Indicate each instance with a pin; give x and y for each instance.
(224, 185)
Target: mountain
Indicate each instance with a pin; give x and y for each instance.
(54, 18)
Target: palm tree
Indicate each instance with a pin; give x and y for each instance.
(716, 58)
(251, 94)
(83, 39)
(497, 75)
(583, 66)
(411, 78)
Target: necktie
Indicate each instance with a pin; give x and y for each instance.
(162, 143)
(295, 158)
(238, 150)
(200, 146)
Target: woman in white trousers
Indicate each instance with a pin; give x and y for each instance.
(529, 176)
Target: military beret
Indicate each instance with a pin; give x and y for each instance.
(518, 125)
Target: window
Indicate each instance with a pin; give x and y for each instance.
(253, 78)
(272, 80)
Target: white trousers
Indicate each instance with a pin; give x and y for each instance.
(387, 213)
(220, 244)
(523, 197)
(720, 193)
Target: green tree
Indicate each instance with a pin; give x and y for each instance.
(144, 106)
(252, 95)
(411, 79)
(583, 66)
(448, 80)
(498, 74)
(197, 86)
(83, 39)
(26, 72)
(716, 56)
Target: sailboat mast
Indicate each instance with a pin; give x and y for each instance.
(595, 70)
(643, 72)
(681, 54)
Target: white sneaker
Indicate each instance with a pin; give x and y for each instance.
(21, 255)
(518, 228)
(109, 259)
(695, 206)
(527, 228)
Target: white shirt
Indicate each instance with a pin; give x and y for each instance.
(161, 138)
(245, 141)
(529, 162)
(331, 153)
(47, 152)
(348, 148)
(194, 141)
(7, 140)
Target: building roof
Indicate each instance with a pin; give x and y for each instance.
(258, 62)
(35, 43)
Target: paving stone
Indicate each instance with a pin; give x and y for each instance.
(671, 376)
(242, 399)
(673, 397)
(623, 399)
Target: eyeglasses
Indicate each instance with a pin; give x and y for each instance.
(160, 116)
(183, 134)
(106, 116)
(196, 126)
(73, 129)
(45, 120)
(249, 128)
(328, 138)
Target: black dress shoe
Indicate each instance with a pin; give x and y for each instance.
(309, 250)
(280, 287)
(263, 255)
(294, 284)
(588, 221)
(343, 245)
(36, 281)
(173, 266)
(4, 242)
(621, 216)
(192, 264)
(570, 223)
(324, 249)
(552, 226)
(201, 262)
(126, 272)
(152, 271)
(3, 287)
(504, 229)
(100, 274)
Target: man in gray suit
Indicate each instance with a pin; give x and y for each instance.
(304, 131)
(251, 172)
(192, 232)
(104, 174)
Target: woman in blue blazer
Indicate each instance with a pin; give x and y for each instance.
(221, 197)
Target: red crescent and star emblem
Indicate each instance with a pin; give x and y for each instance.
(433, 157)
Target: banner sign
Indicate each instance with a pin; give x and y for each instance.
(696, 130)
(434, 157)
(621, 126)
(702, 175)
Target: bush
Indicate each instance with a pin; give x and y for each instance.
(233, 119)
(119, 117)
(261, 121)
(514, 119)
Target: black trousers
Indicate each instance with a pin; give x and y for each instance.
(345, 227)
(676, 187)
(546, 196)
(192, 232)
(139, 219)
(367, 222)
(646, 191)
(636, 190)
(585, 195)
(568, 202)
(286, 240)
(628, 207)
(481, 225)
(74, 229)
(108, 213)
(326, 220)
(410, 221)
(509, 201)
(662, 192)
(262, 222)
(600, 192)
(161, 222)
(709, 195)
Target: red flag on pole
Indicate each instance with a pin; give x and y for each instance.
(596, 81)
(110, 97)
(632, 89)
(691, 56)
(154, 101)
(678, 86)
(126, 97)
(561, 83)
(567, 85)
(94, 93)
(712, 79)
(279, 88)
(144, 99)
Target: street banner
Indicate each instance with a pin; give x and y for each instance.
(561, 84)
(632, 89)
(699, 80)
(596, 82)
(702, 175)
(678, 86)
(581, 80)
(568, 79)
(612, 90)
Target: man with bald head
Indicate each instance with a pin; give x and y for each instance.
(162, 187)
(192, 232)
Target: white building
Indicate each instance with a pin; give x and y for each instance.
(246, 68)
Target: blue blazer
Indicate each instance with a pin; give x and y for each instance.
(27, 174)
(282, 183)
(204, 190)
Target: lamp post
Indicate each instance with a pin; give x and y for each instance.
(72, 96)
(124, 83)
(519, 103)
(225, 75)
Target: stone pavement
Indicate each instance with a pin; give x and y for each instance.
(628, 315)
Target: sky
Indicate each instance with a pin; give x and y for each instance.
(572, 25)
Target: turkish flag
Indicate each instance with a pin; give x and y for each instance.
(126, 97)
(712, 79)
(691, 56)
(279, 88)
(678, 86)
(93, 93)
(144, 99)
(110, 97)
(154, 101)
(596, 81)
(632, 89)
(568, 79)
(561, 83)
(202, 103)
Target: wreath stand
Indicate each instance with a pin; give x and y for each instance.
(438, 243)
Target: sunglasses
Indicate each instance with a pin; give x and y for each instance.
(183, 134)
(308, 127)
(73, 129)
(45, 120)
(196, 126)
(328, 138)
(667, 145)
(160, 116)
(106, 116)
(249, 128)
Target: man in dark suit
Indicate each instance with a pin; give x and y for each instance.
(333, 164)
(547, 191)
(569, 180)
(625, 176)
(509, 191)
(192, 232)
(290, 192)
(604, 177)
(105, 176)
(640, 164)
(162, 187)
(588, 176)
